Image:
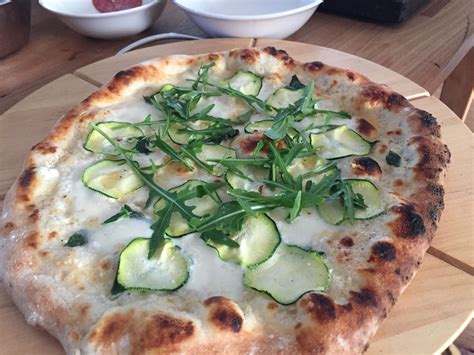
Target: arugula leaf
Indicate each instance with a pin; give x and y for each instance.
(168, 150)
(203, 74)
(125, 212)
(76, 240)
(296, 209)
(295, 83)
(218, 237)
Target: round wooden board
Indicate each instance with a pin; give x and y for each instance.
(437, 304)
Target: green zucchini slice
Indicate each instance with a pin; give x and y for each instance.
(283, 97)
(258, 240)
(254, 175)
(332, 211)
(340, 142)
(289, 274)
(246, 82)
(123, 133)
(113, 178)
(265, 125)
(204, 206)
(311, 167)
(166, 270)
(209, 153)
(183, 138)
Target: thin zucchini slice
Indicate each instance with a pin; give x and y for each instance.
(258, 240)
(283, 97)
(184, 137)
(113, 178)
(289, 274)
(123, 133)
(246, 82)
(204, 206)
(340, 142)
(265, 125)
(311, 168)
(166, 270)
(254, 175)
(167, 87)
(211, 152)
(332, 211)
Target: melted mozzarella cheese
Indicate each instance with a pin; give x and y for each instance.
(113, 237)
(308, 231)
(209, 275)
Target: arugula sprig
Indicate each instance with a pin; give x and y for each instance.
(173, 203)
(125, 212)
(303, 107)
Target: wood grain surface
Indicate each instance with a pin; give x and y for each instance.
(425, 49)
(429, 314)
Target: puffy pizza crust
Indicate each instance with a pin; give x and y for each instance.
(36, 270)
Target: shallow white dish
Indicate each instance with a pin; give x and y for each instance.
(82, 17)
(249, 18)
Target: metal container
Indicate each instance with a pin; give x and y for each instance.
(15, 16)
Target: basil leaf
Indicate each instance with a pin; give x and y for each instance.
(295, 83)
(393, 158)
(76, 240)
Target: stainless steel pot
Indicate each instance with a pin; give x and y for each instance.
(15, 18)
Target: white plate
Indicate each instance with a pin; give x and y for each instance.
(82, 17)
(249, 18)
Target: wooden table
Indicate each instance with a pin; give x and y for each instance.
(425, 49)
(429, 315)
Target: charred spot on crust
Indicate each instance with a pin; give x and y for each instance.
(124, 74)
(433, 157)
(112, 328)
(281, 55)
(391, 298)
(247, 54)
(365, 297)
(32, 240)
(384, 251)
(163, 330)
(27, 177)
(395, 132)
(350, 75)
(8, 227)
(366, 166)
(314, 66)
(34, 216)
(434, 211)
(398, 182)
(347, 242)
(378, 94)
(45, 148)
(321, 308)
(223, 314)
(408, 224)
(365, 127)
(429, 122)
(272, 306)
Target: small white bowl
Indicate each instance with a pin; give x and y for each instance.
(249, 18)
(83, 17)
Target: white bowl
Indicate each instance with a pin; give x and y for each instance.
(249, 18)
(83, 17)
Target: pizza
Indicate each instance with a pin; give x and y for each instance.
(234, 202)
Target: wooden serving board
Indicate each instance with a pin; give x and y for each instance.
(437, 304)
